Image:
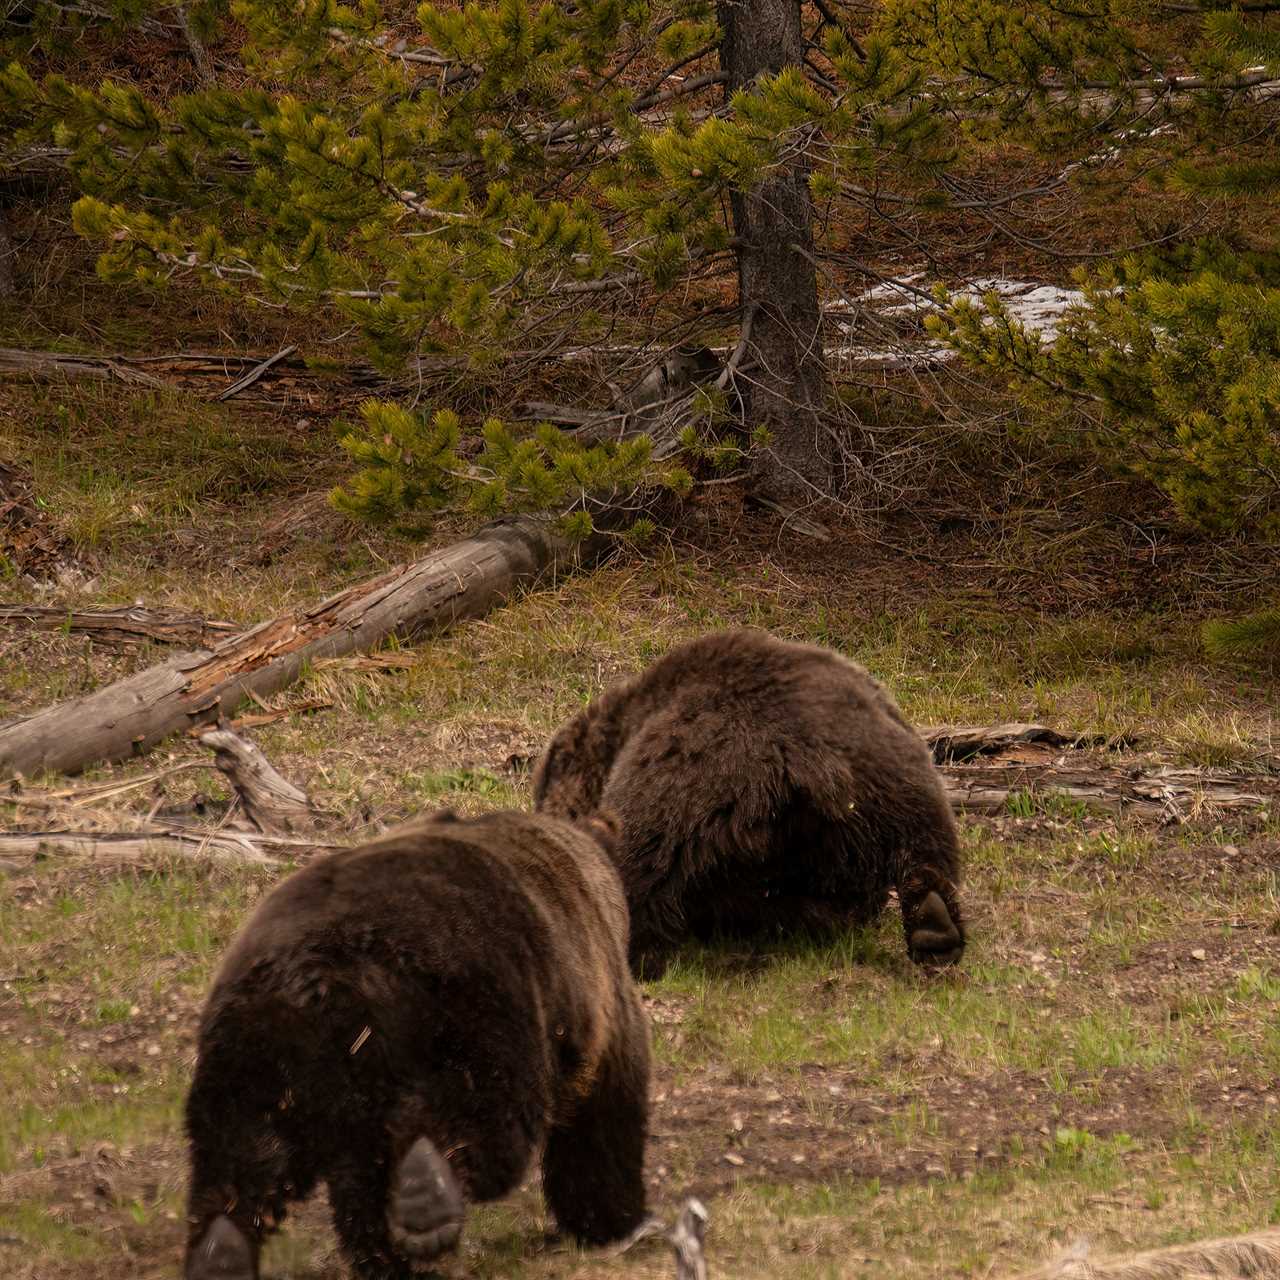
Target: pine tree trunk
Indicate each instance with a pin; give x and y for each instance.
(777, 285)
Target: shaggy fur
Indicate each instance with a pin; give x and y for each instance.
(761, 785)
(410, 1022)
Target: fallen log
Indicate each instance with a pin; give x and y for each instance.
(952, 743)
(192, 370)
(268, 816)
(125, 625)
(1255, 1256)
(1163, 794)
(204, 686)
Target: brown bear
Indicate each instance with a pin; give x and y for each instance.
(410, 1022)
(762, 786)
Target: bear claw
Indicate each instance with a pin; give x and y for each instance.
(934, 938)
(222, 1253)
(425, 1215)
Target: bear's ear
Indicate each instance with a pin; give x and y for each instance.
(445, 815)
(604, 827)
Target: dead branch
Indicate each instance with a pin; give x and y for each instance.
(195, 46)
(125, 625)
(267, 818)
(687, 1238)
(1255, 1256)
(271, 803)
(242, 384)
(123, 848)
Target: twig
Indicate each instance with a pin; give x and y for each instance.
(242, 384)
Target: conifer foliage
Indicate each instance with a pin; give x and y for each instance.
(488, 179)
(513, 180)
(1173, 362)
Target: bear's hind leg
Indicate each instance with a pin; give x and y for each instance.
(931, 918)
(223, 1252)
(425, 1209)
(399, 1195)
(244, 1172)
(593, 1165)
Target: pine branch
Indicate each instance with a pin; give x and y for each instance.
(1257, 635)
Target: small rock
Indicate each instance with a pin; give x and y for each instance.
(733, 1158)
(1199, 953)
(1230, 850)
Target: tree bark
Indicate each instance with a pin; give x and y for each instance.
(777, 283)
(205, 685)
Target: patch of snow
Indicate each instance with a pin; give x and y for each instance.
(1040, 307)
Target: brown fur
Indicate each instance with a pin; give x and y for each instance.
(762, 785)
(462, 982)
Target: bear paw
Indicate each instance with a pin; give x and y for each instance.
(934, 938)
(425, 1214)
(222, 1253)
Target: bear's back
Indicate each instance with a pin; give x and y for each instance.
(742, 709)
(516, 906)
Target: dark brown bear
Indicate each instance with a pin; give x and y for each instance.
(762, 786)
(410, 1022)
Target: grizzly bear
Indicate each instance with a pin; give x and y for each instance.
(411, 1021)
(762, 786)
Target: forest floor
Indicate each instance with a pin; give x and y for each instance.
(1105, 1063)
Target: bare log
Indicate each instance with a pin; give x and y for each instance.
(122, 848)
(952, 743)
(1162, 794)
(268, 817)
(126, 625)
(192, 369)
(272, 803)
(205, 685)
(1255, 1256)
